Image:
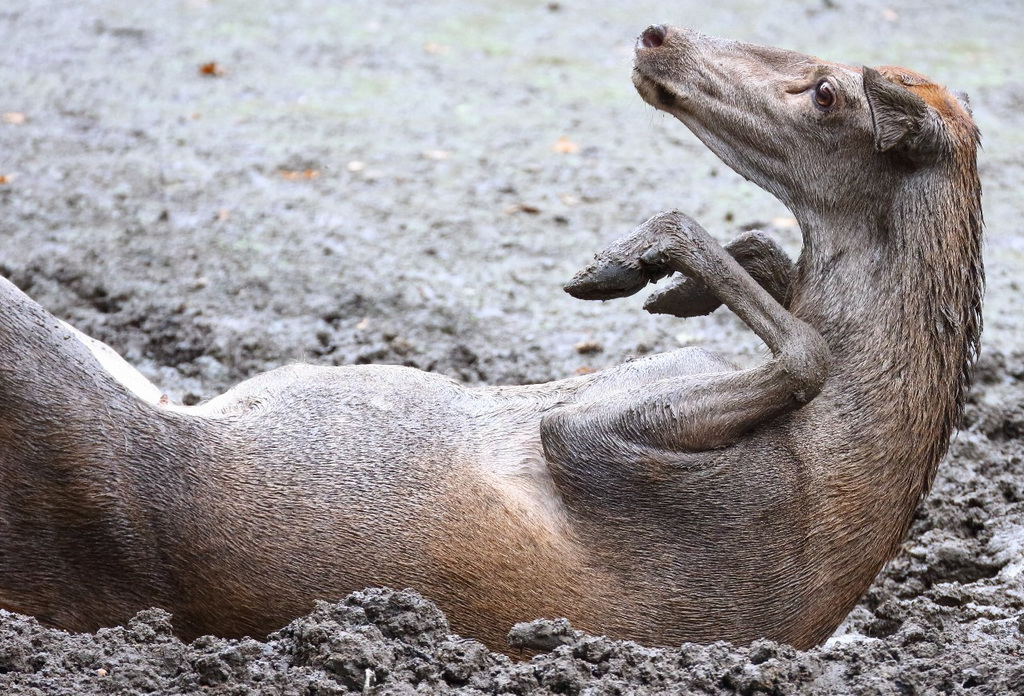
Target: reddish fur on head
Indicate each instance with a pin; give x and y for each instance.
(956, 117)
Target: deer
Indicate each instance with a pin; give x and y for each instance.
(674, 497)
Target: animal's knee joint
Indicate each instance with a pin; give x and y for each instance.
(805, 360)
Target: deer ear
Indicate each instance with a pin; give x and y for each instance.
(899, 117)
(965, 101)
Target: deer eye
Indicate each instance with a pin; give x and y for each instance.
(824, 94)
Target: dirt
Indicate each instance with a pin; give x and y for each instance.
(412, 183)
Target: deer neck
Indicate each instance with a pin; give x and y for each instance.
(896, 293)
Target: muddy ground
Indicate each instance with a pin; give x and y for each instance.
(411, 183)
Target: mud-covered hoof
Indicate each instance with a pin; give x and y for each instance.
(683, 297)
(622, 268)
(605, 280)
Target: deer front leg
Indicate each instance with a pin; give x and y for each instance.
(618, 271)
(756, 253)
(697, 412)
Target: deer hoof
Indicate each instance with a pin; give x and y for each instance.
(605, 280)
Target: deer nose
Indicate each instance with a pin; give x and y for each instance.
(654, 36)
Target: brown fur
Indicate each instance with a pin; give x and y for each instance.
(672, 498)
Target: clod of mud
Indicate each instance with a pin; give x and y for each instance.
(543, 635)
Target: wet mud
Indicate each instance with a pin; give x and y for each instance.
(217, 188)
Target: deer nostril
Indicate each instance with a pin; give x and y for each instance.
(654, 36)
